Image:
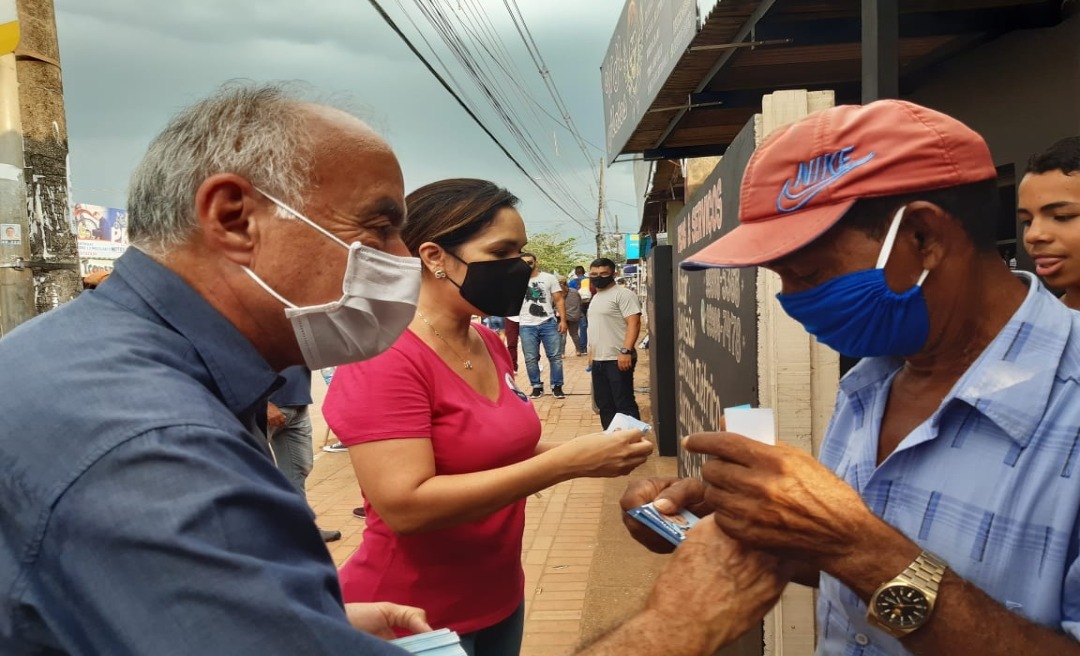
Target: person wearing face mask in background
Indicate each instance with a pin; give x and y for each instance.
(165, 528)
(613, 332)
(942, 518)
(1049, 211)
(444, 444)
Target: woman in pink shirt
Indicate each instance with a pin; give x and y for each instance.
(444, 444)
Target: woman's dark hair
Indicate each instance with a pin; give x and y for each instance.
(451, 212)
(1063, 156)
(974, 205)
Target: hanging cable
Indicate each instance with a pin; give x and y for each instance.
(389, 21)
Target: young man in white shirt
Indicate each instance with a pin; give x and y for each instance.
(543, 320)
(614, 326)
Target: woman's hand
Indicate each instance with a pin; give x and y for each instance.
(604, 455)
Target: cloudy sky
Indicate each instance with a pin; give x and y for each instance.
(130, 64)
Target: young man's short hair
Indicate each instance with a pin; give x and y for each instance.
(1063, 156)
(602, 262)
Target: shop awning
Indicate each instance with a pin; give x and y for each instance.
(718, 84)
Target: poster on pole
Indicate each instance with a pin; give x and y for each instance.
(102, 231)
(9, 27)
(649, 39)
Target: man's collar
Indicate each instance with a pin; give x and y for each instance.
(1010, 381)
(240, 373)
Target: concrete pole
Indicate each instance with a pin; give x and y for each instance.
(53, 258)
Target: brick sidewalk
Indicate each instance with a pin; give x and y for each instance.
(562, 527)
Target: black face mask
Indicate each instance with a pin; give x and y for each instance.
(602, 282)
(495, 287)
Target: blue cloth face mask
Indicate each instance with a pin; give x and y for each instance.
(858, 314)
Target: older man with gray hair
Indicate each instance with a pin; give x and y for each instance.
(143, 514)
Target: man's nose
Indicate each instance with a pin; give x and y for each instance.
(1036, 233)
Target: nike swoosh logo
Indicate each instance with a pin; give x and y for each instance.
(799, 199)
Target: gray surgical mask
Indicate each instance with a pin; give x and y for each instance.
(378, 302)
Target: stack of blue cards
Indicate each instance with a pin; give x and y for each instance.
(443, 642)
(672, 528)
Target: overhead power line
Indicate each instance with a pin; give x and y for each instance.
(502, 104)
(393, 25)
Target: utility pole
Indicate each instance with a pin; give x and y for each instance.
(41, 270)
(600, 215)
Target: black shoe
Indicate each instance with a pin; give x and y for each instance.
(359, 513)
(329, 536)
(557, 392)
(537, 393)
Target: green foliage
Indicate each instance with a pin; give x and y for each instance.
(556, 254)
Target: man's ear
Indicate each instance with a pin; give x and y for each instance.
(931, 227)
(225, 207)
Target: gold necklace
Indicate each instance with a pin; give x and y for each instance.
(466, 361)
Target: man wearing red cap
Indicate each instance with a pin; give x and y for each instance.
(943, 517)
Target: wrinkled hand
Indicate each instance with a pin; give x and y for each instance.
(625, 361)
(780, 499)
(716, 585)
(605, 455)
(670, 495)
(381, 618)
(274, 417)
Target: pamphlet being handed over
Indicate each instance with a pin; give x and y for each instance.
(626, 422)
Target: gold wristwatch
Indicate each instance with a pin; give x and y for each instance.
(904, 604)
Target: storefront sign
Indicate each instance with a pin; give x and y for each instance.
(649, 40)
(715, 310)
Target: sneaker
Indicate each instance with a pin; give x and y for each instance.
(359, 513)
(336, 448)
(588, 369)
(537, 393)
(557, 392)
(329, 536)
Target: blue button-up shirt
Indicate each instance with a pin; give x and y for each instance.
(990, 482)
(141, 512)
(296, 390)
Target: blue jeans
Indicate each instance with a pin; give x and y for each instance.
(502, 639)
(292, 446)
(531, 337)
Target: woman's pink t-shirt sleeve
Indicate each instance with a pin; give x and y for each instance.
(383, 398)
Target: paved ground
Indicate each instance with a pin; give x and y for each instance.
(582, 573)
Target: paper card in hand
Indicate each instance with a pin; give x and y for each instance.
(626, 422)
(756, 423)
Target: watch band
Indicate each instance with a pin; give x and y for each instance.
(926, 571)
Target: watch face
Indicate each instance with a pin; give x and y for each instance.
(902, 606)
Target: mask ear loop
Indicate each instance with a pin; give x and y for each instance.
(890, 241)
(266, 287)
(302, 217)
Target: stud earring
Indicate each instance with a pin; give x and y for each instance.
(440, 274)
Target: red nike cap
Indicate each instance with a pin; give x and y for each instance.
(807, 175)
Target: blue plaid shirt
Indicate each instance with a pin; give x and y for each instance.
(990, 482)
